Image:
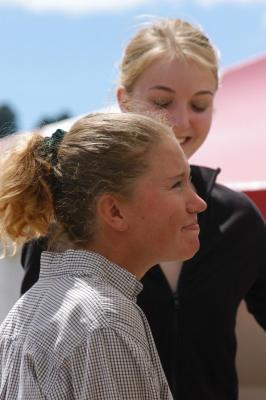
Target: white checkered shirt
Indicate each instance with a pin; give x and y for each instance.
(79, 334)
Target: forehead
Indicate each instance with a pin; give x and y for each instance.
(177, 74)
(167, 158)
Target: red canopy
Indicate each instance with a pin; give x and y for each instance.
(237, 141)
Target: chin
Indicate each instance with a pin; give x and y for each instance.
(191, 252)
(188, 149)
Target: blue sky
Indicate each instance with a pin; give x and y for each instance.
(62, 56)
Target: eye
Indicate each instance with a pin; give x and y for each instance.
(178, 184)
(197, 107)
(181, 183)
(162, 103)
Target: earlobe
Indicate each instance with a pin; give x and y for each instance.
(122, 99)
(111, 213)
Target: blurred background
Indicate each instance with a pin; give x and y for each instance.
(59, 59)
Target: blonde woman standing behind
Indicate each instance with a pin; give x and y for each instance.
(170, 69)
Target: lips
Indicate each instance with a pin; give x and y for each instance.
(194, 226)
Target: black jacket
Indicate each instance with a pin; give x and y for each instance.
(194, 329)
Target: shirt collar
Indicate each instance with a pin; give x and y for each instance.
(88, 263)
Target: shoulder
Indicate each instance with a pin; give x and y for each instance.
(237, 209)
(74, 308)
(237, 201)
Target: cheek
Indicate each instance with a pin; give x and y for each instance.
(202, 126)
(155, 112)
(148, 206)
(159, 214)
(140, 104)
(152, 209)
(208, 119)
(143, 105)
(169, 115)
(175, 220)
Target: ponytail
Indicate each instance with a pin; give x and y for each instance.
(26, 201)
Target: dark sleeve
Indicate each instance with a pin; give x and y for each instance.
(256, 297)
(30, 261)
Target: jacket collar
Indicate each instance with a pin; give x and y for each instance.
(204, 178)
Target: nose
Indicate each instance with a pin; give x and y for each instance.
(196, 204)
(179, 119)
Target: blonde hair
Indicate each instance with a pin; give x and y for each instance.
(101, 153)
(166, 38)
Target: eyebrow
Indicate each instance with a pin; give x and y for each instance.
(187, 172)
(173, 178)
(165, 88)
(169, 90)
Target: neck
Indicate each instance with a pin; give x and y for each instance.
(122, 256)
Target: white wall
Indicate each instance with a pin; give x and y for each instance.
(10, 280)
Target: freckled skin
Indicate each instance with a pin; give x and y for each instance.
(180, 94)
(165, 207)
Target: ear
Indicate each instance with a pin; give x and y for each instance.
(110, 212)
(122, 99)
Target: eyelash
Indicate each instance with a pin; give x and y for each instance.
(198, 109)
(178, 184)
(162, 104)
(166, 104)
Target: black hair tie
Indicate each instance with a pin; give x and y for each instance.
(50, 146)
